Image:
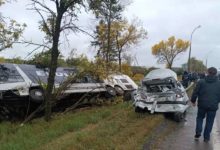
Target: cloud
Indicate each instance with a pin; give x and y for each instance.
(160, 18)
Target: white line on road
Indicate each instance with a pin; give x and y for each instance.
(216, 136)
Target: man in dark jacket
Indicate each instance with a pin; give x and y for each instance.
(208, 93)
(185, 79)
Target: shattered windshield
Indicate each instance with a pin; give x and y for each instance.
(9, 74)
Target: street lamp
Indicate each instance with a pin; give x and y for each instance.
(191, 45)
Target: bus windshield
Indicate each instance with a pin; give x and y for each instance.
(9, 74)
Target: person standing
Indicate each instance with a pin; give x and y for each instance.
(185, 79)
(208, 93)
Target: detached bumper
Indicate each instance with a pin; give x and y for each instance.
(165, 106)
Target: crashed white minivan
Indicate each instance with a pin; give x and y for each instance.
(160, 91)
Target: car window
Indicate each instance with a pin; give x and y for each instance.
(9, 74)
(124, 81)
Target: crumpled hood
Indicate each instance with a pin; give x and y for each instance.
(211, 79)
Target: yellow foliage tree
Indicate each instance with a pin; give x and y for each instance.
(123, 35)
(127, 35)
(126, 69)
(166, 51)
(138, 77)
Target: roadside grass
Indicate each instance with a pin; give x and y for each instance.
(115, 126)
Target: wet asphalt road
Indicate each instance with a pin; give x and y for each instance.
(216, 132)
(182, 138)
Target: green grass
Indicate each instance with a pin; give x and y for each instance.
(107, 127)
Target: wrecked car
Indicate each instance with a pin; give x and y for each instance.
(20, 83)
(161, 92)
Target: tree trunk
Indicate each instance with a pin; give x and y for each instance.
(119, 60)
(169, 65)
(50, 85)
(109, 38)
(53, 67)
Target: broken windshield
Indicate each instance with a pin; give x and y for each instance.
(9, 74)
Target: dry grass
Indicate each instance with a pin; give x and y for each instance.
(122, 130)
(109, 127)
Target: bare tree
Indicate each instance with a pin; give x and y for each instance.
(57, 16)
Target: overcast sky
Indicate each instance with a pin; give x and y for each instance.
(161, 19)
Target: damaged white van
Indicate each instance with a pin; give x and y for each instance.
(121, 83)
(162, 92)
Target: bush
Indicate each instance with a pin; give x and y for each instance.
(138, 77)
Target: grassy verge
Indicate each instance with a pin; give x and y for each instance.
(107, 127)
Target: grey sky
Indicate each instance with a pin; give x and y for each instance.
(161, 18)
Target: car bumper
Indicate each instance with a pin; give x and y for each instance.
(11, 95)
(165, 106)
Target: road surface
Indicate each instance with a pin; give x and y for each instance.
(182, 136)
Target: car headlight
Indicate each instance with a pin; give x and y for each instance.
(179, 95)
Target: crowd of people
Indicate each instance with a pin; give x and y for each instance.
(189, 77)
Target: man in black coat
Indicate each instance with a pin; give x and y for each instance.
(208, 93)
(185, 79)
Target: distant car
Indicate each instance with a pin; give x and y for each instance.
(122, 83)
(161, 92)
(19, 82)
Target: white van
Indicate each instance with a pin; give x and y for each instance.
(122, 83)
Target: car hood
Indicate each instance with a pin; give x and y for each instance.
(160, 74)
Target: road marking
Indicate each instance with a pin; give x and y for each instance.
(216, 136)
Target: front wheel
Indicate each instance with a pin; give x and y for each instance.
(138, 110)
(127, 96)
(119, 90)
(178, 116)
(110, 92)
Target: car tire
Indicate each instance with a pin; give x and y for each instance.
(110, 92)
(127, 96)
(138, 110)
(119, 90)
(178, 116)
(36, 95)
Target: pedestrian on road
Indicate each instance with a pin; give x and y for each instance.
(208, 93)
(185, 79)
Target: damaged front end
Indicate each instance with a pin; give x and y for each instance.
(161, 94)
